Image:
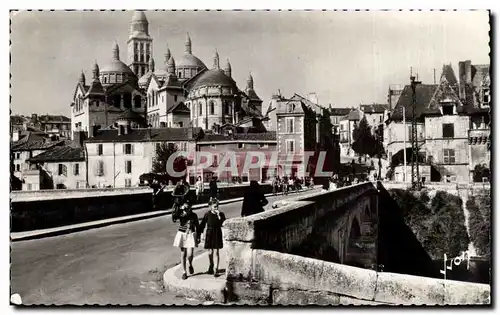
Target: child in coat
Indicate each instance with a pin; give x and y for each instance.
(213, 220)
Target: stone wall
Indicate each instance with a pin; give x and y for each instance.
(286, 279)
(320, 226)
(77, 206)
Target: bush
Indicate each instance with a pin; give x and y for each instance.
(438, 223)
(480, 223)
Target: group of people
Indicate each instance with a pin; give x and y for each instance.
(286, 184)
(190, 232)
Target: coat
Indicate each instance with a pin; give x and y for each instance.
(253, 202)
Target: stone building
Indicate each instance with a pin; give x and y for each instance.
(453, 131)
(238, 141)
(114, 90)
(118, 157)
(336, 115)
(299, 126)
(61, 167)
(29, 145)
(347, 125)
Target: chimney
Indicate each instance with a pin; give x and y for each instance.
(468, 72)
(93, 131)
(77, 138)
(15, 135)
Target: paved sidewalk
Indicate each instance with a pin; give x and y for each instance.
(200, 285)
(36, 234)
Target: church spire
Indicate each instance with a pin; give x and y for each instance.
(168, 54)
(227, 68)
(216, 60)
(116, 51)
(82, 78)
(171, 66)
(250, 81)
(95, 72)
(188, 44)
(151, 64)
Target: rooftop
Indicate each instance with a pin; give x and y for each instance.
(68, 153)
(146, 134)
(374, 108)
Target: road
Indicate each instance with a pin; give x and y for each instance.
(119, 264)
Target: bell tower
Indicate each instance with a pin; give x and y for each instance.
(140, 44)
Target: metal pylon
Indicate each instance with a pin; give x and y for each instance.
(416, 184)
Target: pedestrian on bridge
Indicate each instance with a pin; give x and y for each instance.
(213, 220)
(187, 237)
(253, 200)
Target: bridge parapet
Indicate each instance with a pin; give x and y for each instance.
(323, 249)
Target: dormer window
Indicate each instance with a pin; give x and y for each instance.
(486, 97)
(448, 108)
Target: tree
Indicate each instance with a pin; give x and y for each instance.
(163, 153)
(364, 143)
(479, 207)
(481, 171)
(439, 224)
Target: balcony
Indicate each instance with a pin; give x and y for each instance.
(479, 136)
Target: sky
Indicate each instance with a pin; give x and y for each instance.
(345, 58)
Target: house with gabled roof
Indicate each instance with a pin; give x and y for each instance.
(452, 130)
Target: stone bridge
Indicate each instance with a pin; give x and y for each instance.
(348, 246)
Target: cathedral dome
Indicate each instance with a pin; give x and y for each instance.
(116, 66)
(213, 77)
(189, 60)
(116, 71)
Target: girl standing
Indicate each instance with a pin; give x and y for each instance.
(213, 220)
(187, 237)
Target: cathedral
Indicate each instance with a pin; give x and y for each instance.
(183, 92)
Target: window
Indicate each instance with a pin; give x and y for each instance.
(289, 125)
(18, 167)
(99, 149)
(449, 156)
(62, 170)
(241, 145)
(128, 148)
(142, 46)
(135, 46)
(18, 155)
(200, 109)
(147, 47)
(448, 131)
(128, 182)
(290, 146)
(29, 186)
(212, 108)
(180, 75)
(99, 171)
(486, 97)
(128, 167)
(76, 169)
(447, 109)
(147, 60)
(142, 58)
(180, 124)
(175, 98)
(226, 108)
